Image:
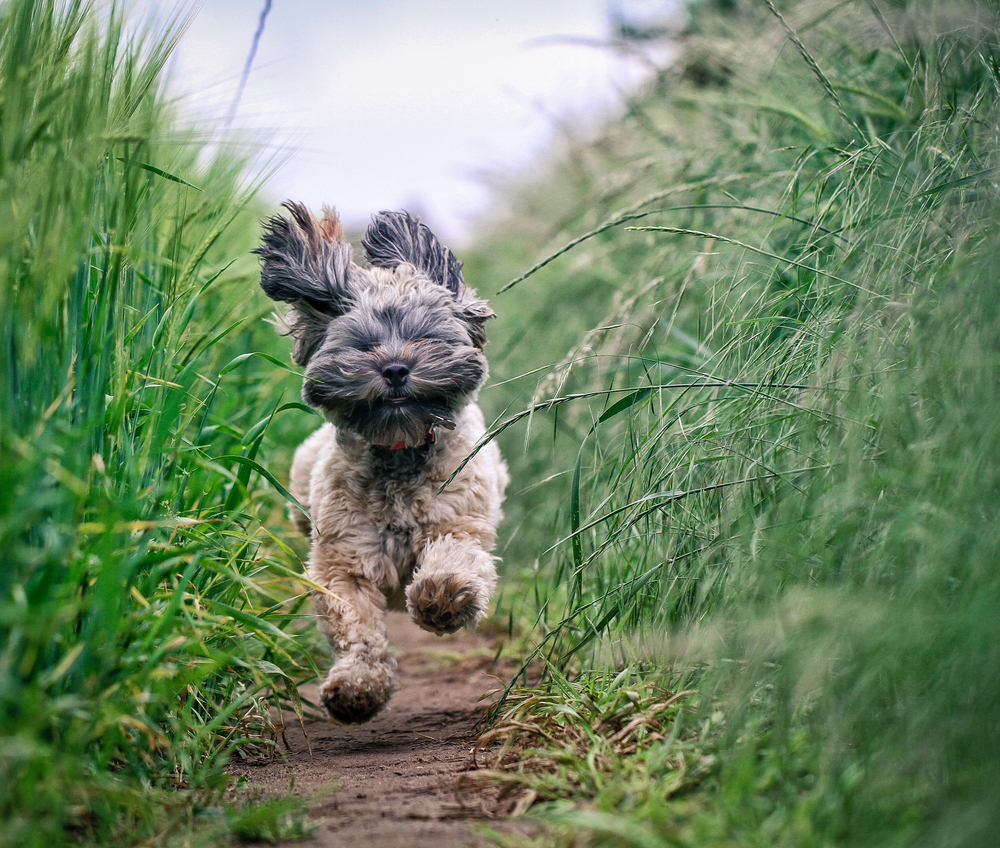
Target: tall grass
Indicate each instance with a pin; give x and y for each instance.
(140, 627)
(784, 488)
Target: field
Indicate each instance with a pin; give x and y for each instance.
(746, 375)
(142, 626)
(767, 471)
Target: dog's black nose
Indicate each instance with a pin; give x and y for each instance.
(395, 374)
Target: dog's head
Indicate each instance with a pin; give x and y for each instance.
(389, 350)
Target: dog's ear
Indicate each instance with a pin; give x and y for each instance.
(476, 313)
(305, 260)
(305, 263)
(394, 238)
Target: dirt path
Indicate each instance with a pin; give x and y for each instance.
(394, 781)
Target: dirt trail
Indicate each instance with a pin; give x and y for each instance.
(394, 781)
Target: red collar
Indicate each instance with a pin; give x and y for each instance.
(429, 440)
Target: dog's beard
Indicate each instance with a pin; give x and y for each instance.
(391, 423)
(348, 388)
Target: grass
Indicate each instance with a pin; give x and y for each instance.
(273, 821)
(755, 541)
(769, 469)
(143, 629)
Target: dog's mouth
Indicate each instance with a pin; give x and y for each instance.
(433, 408)
(407, 400)
(393, 418)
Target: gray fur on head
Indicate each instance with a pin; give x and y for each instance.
(306, 264)
(389, 351)
(394, 238)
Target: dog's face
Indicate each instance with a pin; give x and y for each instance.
(388, 351)
(399, 360)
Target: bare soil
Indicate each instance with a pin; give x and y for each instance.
(401, 779)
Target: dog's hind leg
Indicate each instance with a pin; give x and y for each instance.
(363, 676)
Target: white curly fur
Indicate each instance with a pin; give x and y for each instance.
(379, 545)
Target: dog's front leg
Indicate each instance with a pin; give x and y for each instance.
(352, 616)
(453, 584)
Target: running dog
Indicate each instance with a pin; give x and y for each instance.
(393, 359)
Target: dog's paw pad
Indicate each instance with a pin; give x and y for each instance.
(444, 605)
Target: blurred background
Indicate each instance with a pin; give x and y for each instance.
(389, 105)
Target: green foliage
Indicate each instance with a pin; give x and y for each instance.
(773, 463)
(280, 820)
(593, 736)
(140, 627)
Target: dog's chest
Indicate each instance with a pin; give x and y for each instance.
(396, 511)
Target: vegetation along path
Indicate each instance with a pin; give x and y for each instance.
(398, 779)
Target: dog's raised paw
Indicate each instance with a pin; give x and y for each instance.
(443, 604)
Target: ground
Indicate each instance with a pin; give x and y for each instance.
(401, 779)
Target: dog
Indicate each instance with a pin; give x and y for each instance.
(393, 360)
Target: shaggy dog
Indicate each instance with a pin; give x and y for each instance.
(393, 358)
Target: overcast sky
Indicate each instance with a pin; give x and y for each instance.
(389, 104)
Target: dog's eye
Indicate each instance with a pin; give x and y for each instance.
(368, 347)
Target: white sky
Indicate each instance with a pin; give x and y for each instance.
(389, 104)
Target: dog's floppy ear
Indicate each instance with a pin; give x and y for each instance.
(476, 313)
(305, 260)
(394, 238)
(305, 263)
